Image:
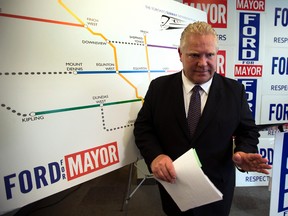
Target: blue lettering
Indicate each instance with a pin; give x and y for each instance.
(267, 153)
(54, 171)
(270, 153)
(272, 111)
(249, 36)
(274, 65)
(257, 178)
(40, 176)
(280, 64)
(281, 14)
(277, 16)
(250, 88)
(262, 151)
(9, 185)
(25, 181)
(280, 112)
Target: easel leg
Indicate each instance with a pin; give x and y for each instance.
(128, 194)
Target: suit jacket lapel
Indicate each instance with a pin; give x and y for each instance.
(178, 104)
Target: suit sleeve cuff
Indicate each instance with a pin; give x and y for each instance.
(240, 169)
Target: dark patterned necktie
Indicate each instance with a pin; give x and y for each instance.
(194, 111)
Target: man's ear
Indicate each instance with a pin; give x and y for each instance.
(179, 53)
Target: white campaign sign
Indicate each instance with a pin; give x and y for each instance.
(73, 75)
(245, 179)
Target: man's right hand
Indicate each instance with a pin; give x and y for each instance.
(162, 168)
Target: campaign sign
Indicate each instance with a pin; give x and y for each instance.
(279, 193)
(216, 11)
(249, 36)
(251, 90)
(274, 109)
(245, 179)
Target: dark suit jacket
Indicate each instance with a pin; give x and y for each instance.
(161, 128)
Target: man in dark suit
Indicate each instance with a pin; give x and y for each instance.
(162, 132)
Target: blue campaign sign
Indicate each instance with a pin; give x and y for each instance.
(251, 90)
(249, 36)
(279, 193)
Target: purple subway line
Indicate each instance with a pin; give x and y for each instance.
(167, 47)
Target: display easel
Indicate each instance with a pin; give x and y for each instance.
(130, 193)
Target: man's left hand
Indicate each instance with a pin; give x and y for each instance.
(251, 162)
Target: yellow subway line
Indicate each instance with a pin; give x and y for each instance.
(113, 47)
(71, 12)
(123, 77)
(115, 56)
(147, 56)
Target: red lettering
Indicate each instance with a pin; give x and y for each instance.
(250, 5)
(91, 160)
(216, 11)
(248, 70)
(221, 62)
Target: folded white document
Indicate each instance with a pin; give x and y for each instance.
(192, 187)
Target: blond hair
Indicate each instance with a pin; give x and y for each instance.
(200, 28)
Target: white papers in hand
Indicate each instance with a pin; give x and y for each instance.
(192, 187)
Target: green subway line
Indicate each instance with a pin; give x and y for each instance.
(84, 107)
(121, 102)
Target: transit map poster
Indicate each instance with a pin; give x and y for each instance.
(73, 75)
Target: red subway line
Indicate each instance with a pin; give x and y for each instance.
(40, 20)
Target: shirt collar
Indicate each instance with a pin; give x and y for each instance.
(188, 85)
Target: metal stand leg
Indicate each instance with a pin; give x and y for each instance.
(128, 194)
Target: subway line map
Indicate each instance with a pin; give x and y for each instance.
(73, 75)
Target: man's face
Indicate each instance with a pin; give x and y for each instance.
(198, 57)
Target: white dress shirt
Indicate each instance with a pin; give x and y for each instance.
(187, 91)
